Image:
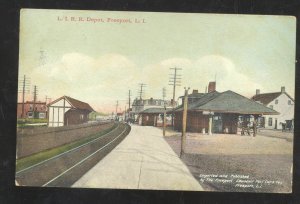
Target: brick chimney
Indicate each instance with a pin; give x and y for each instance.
(282, 89)
(211, 86)
(195, 91)
(257, 91)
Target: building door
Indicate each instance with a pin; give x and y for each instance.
(275, 123)
(217, 124)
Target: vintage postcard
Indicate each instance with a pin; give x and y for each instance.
(160, 101)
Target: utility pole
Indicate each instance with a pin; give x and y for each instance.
(125, 113)
(25, 88)
(129, 101)
(117, 104)
(164, 122)
(46, 99)
(174, 80)
(141, 91)
(23, 96)
(42, 57)
(34, 99)
(184, 119)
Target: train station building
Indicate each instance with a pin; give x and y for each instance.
(217, 112)
(153, 117)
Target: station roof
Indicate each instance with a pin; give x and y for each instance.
(228, 102)
(155, 110)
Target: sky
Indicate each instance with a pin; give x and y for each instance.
(98, 56)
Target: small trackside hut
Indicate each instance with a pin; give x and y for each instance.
(152, 116)
(218, 112)
(66, 111)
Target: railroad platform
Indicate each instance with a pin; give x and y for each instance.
(143, 160)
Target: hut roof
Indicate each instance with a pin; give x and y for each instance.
(74, 103)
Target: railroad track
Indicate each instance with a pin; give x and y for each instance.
(66, 168)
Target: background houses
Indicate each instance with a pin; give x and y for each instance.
(195, 95)
(154, 117)
(67, 111)
(140, 105)
(38, 108)
(281, 102)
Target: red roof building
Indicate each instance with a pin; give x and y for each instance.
(30, 107)
(67, 111)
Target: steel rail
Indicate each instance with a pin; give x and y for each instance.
(71, 150)
(81, 161)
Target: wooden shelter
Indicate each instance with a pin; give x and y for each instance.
(218, 112)
(67, 111)
(150, 116)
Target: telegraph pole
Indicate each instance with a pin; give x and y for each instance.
(141, 91)
(46, 99)
(25, 87)
(23, 96)
(117, 104)
(164, 122)
(129, 101)
(184, 119)
(34, 99)
(125, 113)
(174, 80)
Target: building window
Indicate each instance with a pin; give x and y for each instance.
(81, 116)
(270, 121)
(276, 101)
(271, 106)
(289, 102)
(41, 115)
(30, 114)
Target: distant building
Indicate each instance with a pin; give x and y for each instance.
(154, 117)
(195, 95)
(140, 105)
(30, 108)
(120, 116)
(66, 111)
(281, 102)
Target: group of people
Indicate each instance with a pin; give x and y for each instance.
(288, 125)
(247, 128)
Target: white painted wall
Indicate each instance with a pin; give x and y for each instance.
(50, 116)
(56, 113)
(286, 111)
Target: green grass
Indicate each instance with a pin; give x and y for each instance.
(28, 125)
(26, 121)
(33, 120)
(41, 156)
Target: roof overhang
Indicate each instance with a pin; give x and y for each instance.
(234, 112)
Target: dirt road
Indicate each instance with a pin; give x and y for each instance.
(238, 163)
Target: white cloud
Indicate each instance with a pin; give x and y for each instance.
(86, 78)
(209, 67)
(103, 80)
